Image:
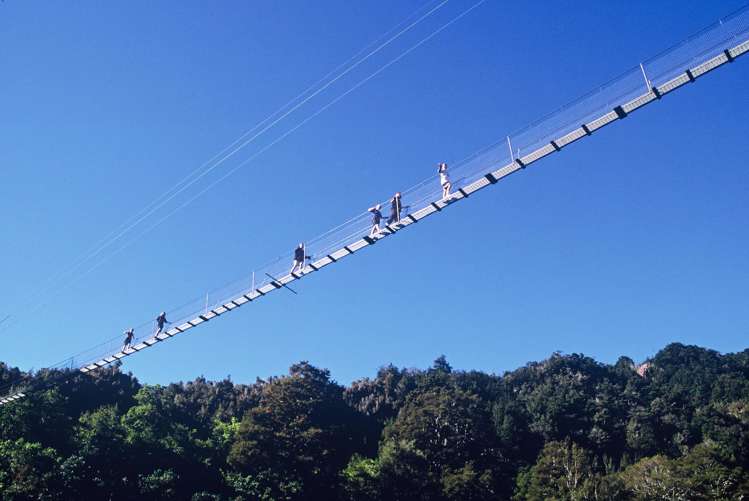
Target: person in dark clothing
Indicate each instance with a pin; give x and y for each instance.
(129, 334)
(376, 218)
(395, 209)
(298, 259)
(160, 322)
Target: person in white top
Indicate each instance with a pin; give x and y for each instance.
(444, 180)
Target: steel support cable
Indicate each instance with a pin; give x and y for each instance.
(280, 138)
(233, 151)
(641, 103)
(113, 236)
(150, 208)
(238, 144)
(116, 340)
(362, 228)
(318, 112)
(478, 154)
(238, 147)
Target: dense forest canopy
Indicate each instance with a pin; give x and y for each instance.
(566, 428)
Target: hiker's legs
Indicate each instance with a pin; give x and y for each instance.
(297, 265)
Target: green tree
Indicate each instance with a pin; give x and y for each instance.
(360, 480)
(405, 473)
(302, 431)
(29, 471)
(655, 478)
(450, 426)
(107, 463)
(163, 438)
(560, 473)
(707, 477)
(467, 484)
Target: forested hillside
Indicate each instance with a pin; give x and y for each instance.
(564, 428)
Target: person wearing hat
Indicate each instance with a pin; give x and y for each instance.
(128, 339)
(160, 322)
(444, 180)
(376, 218)
(395, 208)
(298, 259)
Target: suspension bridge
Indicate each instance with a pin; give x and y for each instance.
(714, 47)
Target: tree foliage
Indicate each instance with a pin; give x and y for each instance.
(565, 428)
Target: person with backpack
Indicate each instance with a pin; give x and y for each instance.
(129, 334)
(376, 218)
(160, 322)
(299, 256)
(395, 208)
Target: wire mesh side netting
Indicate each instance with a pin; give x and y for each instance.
(698, 48)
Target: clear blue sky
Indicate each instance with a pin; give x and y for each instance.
(619, 245)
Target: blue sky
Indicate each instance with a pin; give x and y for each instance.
(619, 245)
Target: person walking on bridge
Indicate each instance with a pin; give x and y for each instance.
(376, 218)
(160, 322)
(395, 208)
(129, 334)
(444, 180)
(298, 259)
